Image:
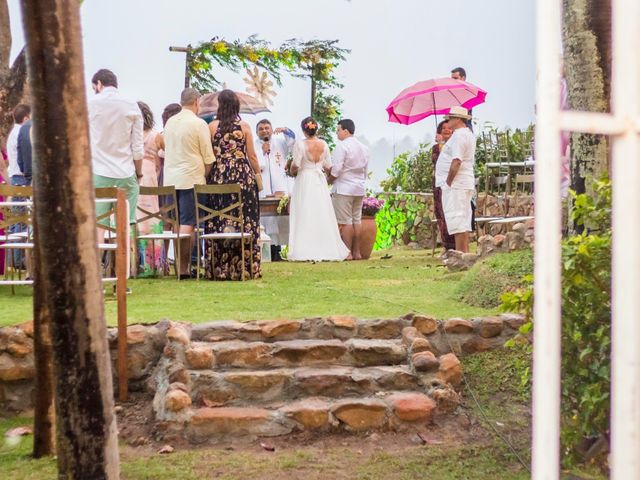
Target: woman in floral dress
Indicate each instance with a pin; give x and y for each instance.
(236, 162)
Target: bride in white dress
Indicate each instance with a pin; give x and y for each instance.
(313, 228)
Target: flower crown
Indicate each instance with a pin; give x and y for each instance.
(311, 125)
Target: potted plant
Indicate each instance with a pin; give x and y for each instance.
(370, 207)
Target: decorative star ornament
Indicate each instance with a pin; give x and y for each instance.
(259, 85)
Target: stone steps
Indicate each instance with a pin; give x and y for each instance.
(229, 379)
(392, 410)
(260, 387)
(295, 353)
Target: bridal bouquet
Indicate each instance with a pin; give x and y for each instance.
(287, 167)
(282, 208)
(371, 206)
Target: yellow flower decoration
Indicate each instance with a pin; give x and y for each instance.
(220, 47)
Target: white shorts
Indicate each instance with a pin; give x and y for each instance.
(456, 204)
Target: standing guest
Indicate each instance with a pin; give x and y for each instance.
(460, 73)
(349, 174)
(117, 147)
(273, 152)
(25, 152)
(236, 162)
(151, 255)
(188, 159)
(454, 175)
(444, 133)
(4, 161)
(21, 115)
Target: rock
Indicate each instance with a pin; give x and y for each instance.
(308, 352)
(376, 352)
(259, 381)
(341, 321)
(513, 320)
(237, 421)
(381, 329)
(20, 350)
(178, 333)
(447, 399)
(166, 449)
(457, 261)
(520, 228)
(515, 241)
(118, 409)
(485, 245)
(421, 345)
(179, 375)
(490, 327)
(458, 325)
(136, 334)
(409, 334)
(27, 328)
(477, 345)
(277, 328)
(424, 324)
(177, 400)
(425, 362)
(499, 241)
(199, 358)
(179, 386)
(137, 364)
(450, 370)
(239, 354)
(412, 407)
(333, 382)
(361, 414)
(311, 414)
(12, 369)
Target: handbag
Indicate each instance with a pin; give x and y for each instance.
(259, 182)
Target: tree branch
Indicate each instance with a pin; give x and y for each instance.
(5, 38)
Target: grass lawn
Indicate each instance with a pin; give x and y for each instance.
(378, 288)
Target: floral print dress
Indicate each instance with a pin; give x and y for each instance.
(232, 166)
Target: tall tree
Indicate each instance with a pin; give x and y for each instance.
(68, 280)
(587, 68)
(13, 77)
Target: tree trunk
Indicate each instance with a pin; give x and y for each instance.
(587, 66)
(68, 278)
(44, 413)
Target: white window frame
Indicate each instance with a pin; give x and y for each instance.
(623, 127)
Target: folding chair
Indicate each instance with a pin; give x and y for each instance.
(168, 215)
(108, 241)
(204, 213)
(16, 211)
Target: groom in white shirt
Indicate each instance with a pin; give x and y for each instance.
(273, 148)
(349, 174)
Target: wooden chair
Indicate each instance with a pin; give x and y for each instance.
(204, 213)
(168, 215)
(16, 210)
(109, 230)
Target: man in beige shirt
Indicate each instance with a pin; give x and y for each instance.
(188, 160)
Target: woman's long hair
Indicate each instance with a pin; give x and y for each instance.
(228, 111)
(147, 116)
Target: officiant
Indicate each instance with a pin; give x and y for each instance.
(273, 148)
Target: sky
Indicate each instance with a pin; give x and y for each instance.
(393, 43)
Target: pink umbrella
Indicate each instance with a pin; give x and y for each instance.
(433, 97)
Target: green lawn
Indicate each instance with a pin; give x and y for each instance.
(378, 288)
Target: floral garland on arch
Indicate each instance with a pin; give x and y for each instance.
(316, 59)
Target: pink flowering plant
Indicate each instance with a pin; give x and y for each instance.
(371, 206)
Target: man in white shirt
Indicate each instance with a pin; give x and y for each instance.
(273, 152)
(188, 158)
(117, 149)
(21, 115)
(349, 174)
(455, 176)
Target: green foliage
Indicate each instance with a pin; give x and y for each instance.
(316, 59)
(586, 322)
(410, 172)
(488, 279)
(398, 217)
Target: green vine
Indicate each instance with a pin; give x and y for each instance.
(401, 220)
(315, 59)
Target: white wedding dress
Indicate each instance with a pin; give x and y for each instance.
(313, 228)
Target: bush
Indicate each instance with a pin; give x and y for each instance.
(488, 279)
(410, 172)
(586, 325)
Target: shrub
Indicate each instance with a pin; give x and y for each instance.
(586, 325)
(410, 172)
(488, 279)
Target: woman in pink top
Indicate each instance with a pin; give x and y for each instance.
(151, 254)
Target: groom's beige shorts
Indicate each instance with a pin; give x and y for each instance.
(348, 208)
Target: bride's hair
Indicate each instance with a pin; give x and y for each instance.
(309, 126)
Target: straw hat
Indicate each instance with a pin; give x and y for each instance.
(459, 112)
